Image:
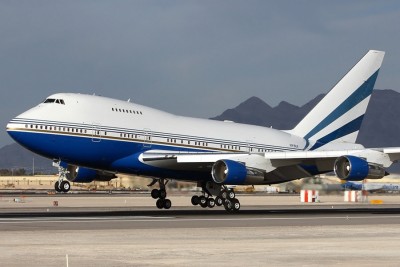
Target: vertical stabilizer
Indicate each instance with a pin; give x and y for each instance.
(338, 116)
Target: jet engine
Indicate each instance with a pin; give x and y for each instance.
(235, 173)
(78, 174)
(352, 168)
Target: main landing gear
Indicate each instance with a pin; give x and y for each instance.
(62, 185)
(160, 194)
(224, 196)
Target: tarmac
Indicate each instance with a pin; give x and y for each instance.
(127, 230)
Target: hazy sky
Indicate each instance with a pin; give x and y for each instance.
(195, 58)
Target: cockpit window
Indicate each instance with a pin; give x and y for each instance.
(52, 100)
(49, 100)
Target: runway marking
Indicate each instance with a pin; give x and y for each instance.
(171, 219)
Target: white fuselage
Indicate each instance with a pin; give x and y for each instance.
(113, 135)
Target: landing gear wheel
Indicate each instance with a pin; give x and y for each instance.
(65, 186)
(224, 194)
(236, 205)
(228, 205)
(167, 204)
(231, 194)
(160, 203)
(155, 193)
(195, 200)
(57, 187)
(219, 201)
(210, 202)
(162, 193)
(203, 202)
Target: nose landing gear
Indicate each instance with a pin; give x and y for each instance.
(62, 185)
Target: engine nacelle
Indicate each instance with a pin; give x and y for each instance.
(352, 168)
(84, 175)
(231, 172)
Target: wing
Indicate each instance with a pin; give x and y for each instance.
(279, 167)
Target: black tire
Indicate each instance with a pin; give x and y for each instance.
(203, 202)
(167, 204)
(160, 203)
(231, 194)
(195, 200)
(162, 193)
(210, 203)
(219, 201)
(155, 193)
(65, 186)
(236, 205)
(224, 194)
(57, 188)
(228, 205)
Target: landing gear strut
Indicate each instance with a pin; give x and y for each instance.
(62, 185)
(160, 194)
(224, 196)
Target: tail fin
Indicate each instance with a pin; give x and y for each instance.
(338, 116)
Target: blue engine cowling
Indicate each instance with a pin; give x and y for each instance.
(78, 174)
(352, 168)
(235, 173)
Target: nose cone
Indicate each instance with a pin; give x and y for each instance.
(13, 128)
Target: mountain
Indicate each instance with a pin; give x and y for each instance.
(255, 111)
(380, 126)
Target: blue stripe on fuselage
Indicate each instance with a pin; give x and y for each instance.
(82, 151)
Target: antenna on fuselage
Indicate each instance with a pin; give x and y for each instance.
(129, 100)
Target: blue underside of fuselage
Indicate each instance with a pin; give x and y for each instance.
(105, 154)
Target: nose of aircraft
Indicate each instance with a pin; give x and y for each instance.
(11, 127)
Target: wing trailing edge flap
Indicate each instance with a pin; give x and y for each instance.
(393, 153)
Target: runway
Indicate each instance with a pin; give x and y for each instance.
(195, 218)
(130, 231)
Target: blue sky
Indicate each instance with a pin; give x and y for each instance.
(195, 58)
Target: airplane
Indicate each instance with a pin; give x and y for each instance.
(348, 185)
(93, 138)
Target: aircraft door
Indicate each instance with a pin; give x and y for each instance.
(147, 138)
(96, 133)
(250, 146)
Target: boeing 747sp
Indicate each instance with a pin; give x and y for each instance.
(92, 138)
